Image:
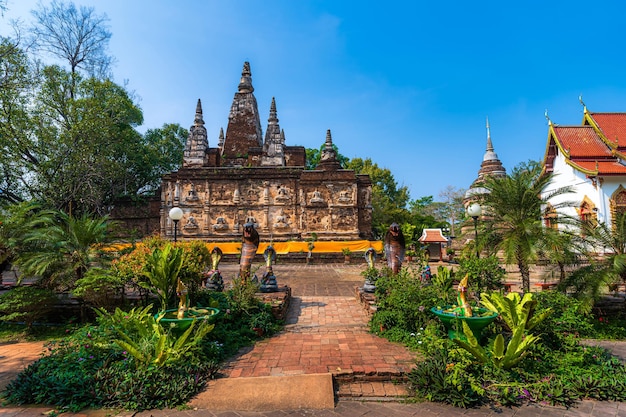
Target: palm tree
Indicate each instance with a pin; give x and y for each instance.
(590, 281)
(60, 248)
(513, 219)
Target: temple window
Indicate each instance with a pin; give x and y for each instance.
(550, 217)
(588, 213)
(619, 200)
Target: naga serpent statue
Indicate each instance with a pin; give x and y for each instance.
(394, 247)
(463, 308)
(181, 292)
(213, 278)
(249, 247)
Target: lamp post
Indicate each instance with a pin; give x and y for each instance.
(474, 211)
(176, 214)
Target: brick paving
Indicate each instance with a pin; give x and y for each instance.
(326, 331)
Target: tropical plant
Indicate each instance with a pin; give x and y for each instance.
(519, 316)
(142, 336)
(161, 270)
(513, 207)
(60, 248)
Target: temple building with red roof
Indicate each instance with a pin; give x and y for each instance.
(591, 159)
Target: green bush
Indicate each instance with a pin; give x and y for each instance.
(404, 302)
(26, 304)
(485, 274)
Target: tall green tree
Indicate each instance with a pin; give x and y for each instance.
(513, 215)
(162, 153)
(389, 201)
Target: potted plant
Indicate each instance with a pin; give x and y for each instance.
(346, 255)
(450, 252)
(409, 255)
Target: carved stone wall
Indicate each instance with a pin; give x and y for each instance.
(284, 204)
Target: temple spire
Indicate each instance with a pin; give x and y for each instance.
(245, 85)
(273, 119)
(243, 132)
(274, 145)
(489, 144)
(198, 121)
(328, 159)
(197, 142)
(220, 140)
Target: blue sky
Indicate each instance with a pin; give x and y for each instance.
(407, 83)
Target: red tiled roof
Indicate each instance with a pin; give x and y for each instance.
(582, 141)
(604, 167)
(612, 125)
(432, 235)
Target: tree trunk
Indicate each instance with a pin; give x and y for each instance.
(525, 272)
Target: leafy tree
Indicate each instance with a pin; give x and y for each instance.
(162, 153)
(513, 218)
(15, 94)
(389, 201)
(76, 35)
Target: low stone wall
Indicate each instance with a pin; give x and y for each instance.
(279, 301)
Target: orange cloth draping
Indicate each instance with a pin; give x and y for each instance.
(289, 247)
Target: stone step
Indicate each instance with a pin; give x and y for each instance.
(371, 390)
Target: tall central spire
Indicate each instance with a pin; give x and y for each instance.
(244, 124)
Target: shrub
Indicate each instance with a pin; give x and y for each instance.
(26, 304)
(485, 274)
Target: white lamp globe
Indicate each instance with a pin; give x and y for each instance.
(474, 210)
(176, 214)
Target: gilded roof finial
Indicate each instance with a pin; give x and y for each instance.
(548, 118)
(198, 119)
(580, 98)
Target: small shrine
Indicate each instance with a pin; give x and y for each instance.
(435, 242)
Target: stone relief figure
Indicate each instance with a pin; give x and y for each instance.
(252, 195)
(236, 196)
(281, 221)
(251, 220)
(283, 194)
(345, 197)
(191, 223)
(192, 195)
(317, 197)
(220, 224)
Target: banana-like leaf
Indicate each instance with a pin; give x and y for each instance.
(132, 350)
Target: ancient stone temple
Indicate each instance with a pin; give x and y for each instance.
(248, 178)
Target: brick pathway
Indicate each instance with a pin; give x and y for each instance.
(324, 334)
(16, 356)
